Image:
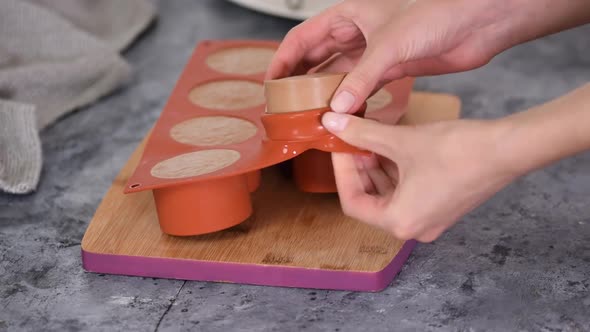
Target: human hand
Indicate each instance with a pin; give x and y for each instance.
(382, 40)
(422, 178)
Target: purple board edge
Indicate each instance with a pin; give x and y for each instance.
(266, 275)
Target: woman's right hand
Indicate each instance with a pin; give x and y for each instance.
(382, 40)
(422, 179)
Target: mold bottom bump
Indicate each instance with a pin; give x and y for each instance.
(313, 172)
(203, 207)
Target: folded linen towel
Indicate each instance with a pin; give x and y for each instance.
(56, 56)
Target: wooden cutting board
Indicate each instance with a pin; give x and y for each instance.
(293, 239)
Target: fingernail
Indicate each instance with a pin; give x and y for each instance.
(334, 121)
(343, 102)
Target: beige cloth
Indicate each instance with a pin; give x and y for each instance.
(56, 56)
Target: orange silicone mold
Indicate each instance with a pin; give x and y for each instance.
(205, 152)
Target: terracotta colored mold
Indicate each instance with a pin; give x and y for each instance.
(205, 153)
(181, 209)
(292, 103)
(312, 170)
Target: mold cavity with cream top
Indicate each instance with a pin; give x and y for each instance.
(213, 130)
(241, 60)
(195, 163)
(379, 100)
(228, 95)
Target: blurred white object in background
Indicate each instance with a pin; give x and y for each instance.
(294, 9)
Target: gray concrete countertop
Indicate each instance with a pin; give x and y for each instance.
(519, 262)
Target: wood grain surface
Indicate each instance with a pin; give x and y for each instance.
(288, 228)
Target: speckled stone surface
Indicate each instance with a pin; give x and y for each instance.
(519, 262)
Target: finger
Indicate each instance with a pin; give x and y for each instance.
(457, 60)
(343, 63)
(317, 56)
(311, 64)
(358, 85)
(339, 63)
(430, 235)
(299, 41)
(346, 173)
(364, 176)
(315, 60)
(355, 201)
(390, 169)
(380, 180)
(366, 134)
(329, 52)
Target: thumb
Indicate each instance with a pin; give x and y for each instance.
(360, 82)
(365, 134)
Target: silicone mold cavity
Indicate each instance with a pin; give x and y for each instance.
(213, 100)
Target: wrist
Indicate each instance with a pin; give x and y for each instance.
(531, 19)
(504, 158)
(544, 134)
(508, 137)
